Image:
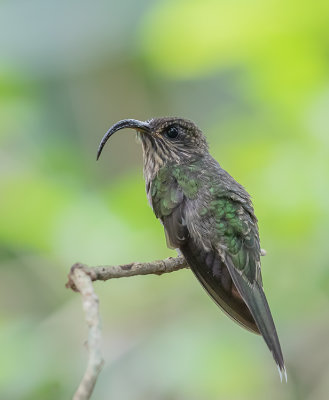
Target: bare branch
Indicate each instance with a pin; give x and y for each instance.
(84, 285)
(103, 273)
(80, 280)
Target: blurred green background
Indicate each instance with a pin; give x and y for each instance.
(254, 76)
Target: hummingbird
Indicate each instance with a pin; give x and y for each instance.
(208, 217)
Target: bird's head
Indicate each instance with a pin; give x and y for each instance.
(167, 139)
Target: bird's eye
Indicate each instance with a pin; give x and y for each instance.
(172, 132)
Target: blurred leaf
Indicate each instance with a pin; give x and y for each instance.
(282, 45)
(29, 207)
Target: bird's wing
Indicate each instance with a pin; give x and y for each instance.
(214, 276)
(237, 242)
(169, 202)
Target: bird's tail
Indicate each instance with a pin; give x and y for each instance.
(255, 299)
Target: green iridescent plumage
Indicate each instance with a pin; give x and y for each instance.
(230, 226)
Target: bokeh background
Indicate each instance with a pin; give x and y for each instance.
(254, 76)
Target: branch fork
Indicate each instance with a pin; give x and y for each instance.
(80, 279)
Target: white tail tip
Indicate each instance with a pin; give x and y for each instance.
(284, 372)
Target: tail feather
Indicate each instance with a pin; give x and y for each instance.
(255, 299)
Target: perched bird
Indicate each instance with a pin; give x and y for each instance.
(209, 217)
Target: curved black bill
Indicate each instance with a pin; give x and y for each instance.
(125, 123)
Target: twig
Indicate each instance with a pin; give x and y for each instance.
(80, 280)
(84, 285)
